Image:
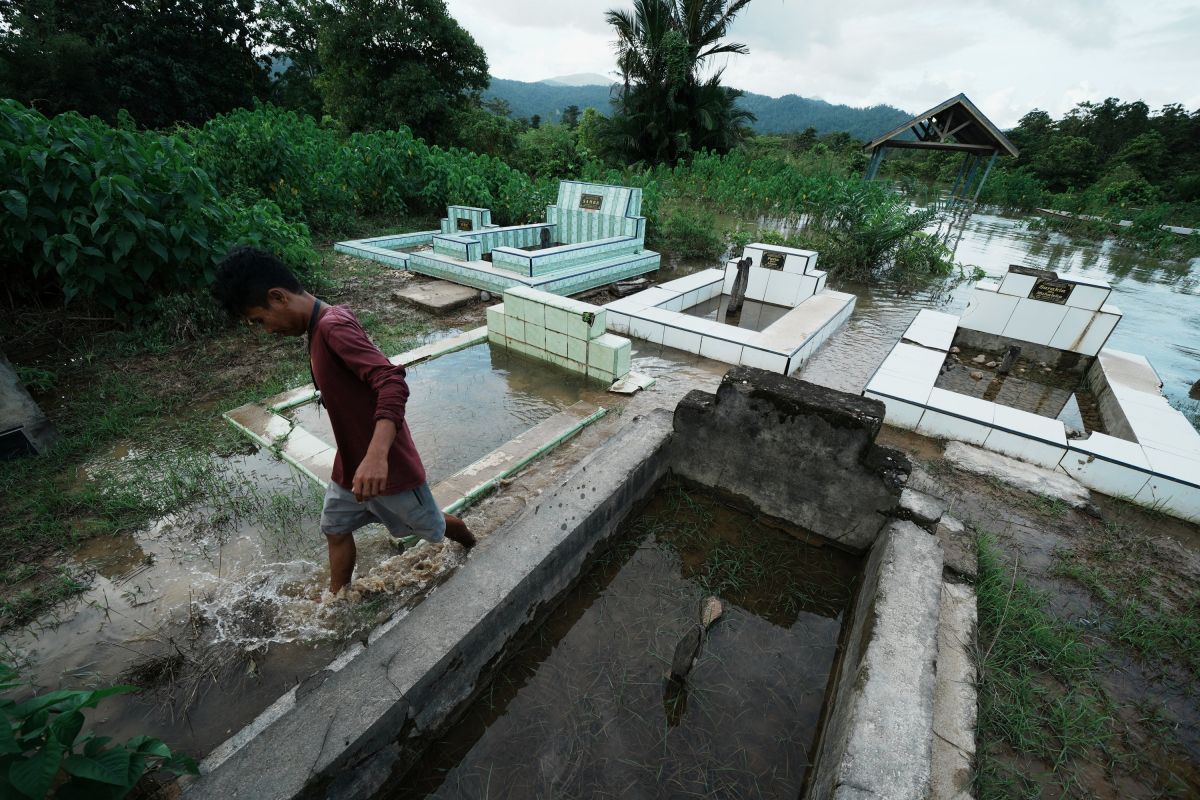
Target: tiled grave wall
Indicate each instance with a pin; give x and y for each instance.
(796, 280)
(1161, 468)
(478, 218)
(560, 330)
(1081, 324)
(656, 315)
(554, 259)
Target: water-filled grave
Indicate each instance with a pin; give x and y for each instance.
(585, 706)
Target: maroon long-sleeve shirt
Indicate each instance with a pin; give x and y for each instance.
(359, 386)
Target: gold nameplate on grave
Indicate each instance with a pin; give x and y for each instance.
(772, 259)
(591, 202)
(463, 224)
(1051, 290)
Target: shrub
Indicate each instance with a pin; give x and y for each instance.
(41, 747)
(688, 233)
(118, 217)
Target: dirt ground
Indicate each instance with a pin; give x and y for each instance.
(1123, 586)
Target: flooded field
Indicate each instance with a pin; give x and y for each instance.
(585, 708)
(216, 610)
(1160, 301)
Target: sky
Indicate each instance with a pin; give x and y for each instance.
(1008, 56)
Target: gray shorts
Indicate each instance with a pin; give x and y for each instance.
(404, 514)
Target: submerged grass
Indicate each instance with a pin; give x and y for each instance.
(1038, 686)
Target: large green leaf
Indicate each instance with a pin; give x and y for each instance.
(16, 203)
(66, 727)
(110, 766)
(33, 776)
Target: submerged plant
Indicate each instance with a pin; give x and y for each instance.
(41, 747)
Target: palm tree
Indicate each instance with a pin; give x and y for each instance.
(664, 110)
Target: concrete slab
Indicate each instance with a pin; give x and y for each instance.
(954, 700)
(436, 296)
(878, 738)
(921, 508)
(958, 548)
(1020, 474)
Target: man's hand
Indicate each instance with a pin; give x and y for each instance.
(370, 478)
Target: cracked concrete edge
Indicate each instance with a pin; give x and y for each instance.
(409, 679)
(878, 735)
(955, 700)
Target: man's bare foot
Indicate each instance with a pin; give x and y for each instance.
(456, 531)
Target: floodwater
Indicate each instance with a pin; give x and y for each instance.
(584, 708)
(216, 610)
(465, 404)
(1159, 300)
(755, 316)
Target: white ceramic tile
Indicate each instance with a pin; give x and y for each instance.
(821, 281)
(650, 297)
(973, 408)
(694, 281)
(691, 298)
(618, 323)
(1180, 466)
(646, 329)
(1168, 495)
(711, 290)
(773, 362)
(1091, 298)
(932, 329)
(914, 362)
(1102, 326)
(898, 413)
(1071, 330)
(687, 341)
(1034, 321)
(721, 350)
(987, 312)
(946, 426)
(783, 288)
(1117, 480)
(756, 286)
(677, 303)
(900, 386)
(730, 277)
(1016, 284)
(1025, 449)
(1023, 422)
(808, 288)
(1129, 369)
(514, 328)
(1165, 429)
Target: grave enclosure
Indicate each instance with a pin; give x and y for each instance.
(1138, 447)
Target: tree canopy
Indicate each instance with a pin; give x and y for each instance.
(665, 109)
(163, 61)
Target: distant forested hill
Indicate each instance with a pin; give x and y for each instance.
(775, 115)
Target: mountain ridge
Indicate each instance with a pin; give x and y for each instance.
(787, 114)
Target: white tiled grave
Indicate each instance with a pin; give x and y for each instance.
(1152, 459)
(781, 276)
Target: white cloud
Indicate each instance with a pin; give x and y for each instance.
(1009, 56)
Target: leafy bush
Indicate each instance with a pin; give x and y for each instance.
(40, 745)
(688, 233)
(118, 217)
(315, 174)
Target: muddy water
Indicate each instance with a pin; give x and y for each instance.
(465, 404)
(584, 708)
(1160, 301)
(215, 610)
(754, 316)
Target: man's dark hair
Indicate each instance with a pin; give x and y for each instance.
(245, 276)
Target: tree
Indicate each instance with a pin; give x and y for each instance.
(550, 151)
(571, 116)
(664, 110)
(385, 64)
(163, 62)
(292, 30)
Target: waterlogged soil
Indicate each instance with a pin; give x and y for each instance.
(585, 707)
(1112, 579)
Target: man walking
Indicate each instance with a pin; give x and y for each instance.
(377, 473)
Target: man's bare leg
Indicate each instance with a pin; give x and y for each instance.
(456, 531)
(342, 554)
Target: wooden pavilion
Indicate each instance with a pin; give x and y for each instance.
(954, 125)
